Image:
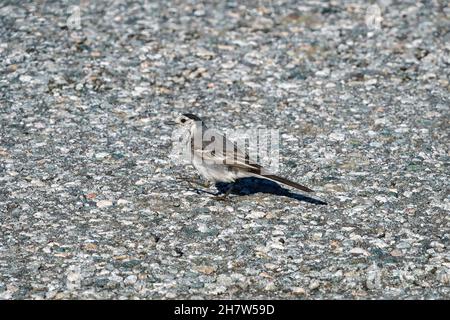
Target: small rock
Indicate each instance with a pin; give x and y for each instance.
(140, 182)
(314, 285)
(215, 289)
(203, 228)
(271, 266)
(25, 78)
(323, 73)
(206, 269)
(336, 136)
(224, 280)
(373, 277)
(443, 276)
(403, 245)
(299, 291)
(115, 278)
(104, 203)
(205, 54)
(90, 246)
(121, 202)
(101, 155)
(138, 91)
(255, 215)
(270, 286)
(396, 253)
(359, 251)
(228, 65)
(199, 13)
(130, 280)
(316, 236)
(73, 276)
(262, 24)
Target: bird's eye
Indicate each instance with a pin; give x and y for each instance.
(183, 120)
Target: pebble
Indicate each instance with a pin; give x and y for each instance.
(337, 136)
(104, 203)
(122, 202)
(130, 280)
(299, 291)
(270, 287)
(206, 269)
(256, 215)
(25, 78)
(359, 251)
(314, 285)
(101, 155)
(396, 253)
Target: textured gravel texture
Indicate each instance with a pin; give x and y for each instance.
(89, 202)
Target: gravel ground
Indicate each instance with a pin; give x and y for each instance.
(89, 202)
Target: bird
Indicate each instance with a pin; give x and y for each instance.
(219, 160)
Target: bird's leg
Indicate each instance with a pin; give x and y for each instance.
(204, 184)
(226, 194)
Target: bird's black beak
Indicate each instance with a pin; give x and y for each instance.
(170, 122)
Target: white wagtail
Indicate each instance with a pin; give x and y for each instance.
(219, 160)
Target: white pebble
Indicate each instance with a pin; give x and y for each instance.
(104, 203)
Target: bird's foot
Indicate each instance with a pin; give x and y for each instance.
(224, 197)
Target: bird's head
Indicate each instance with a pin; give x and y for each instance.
(186, 120)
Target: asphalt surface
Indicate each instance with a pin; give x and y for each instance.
(90, 203)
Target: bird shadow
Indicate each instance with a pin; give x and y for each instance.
(248, 186)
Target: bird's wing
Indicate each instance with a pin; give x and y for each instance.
(226, 153)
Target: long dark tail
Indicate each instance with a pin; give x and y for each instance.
(286, 182)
